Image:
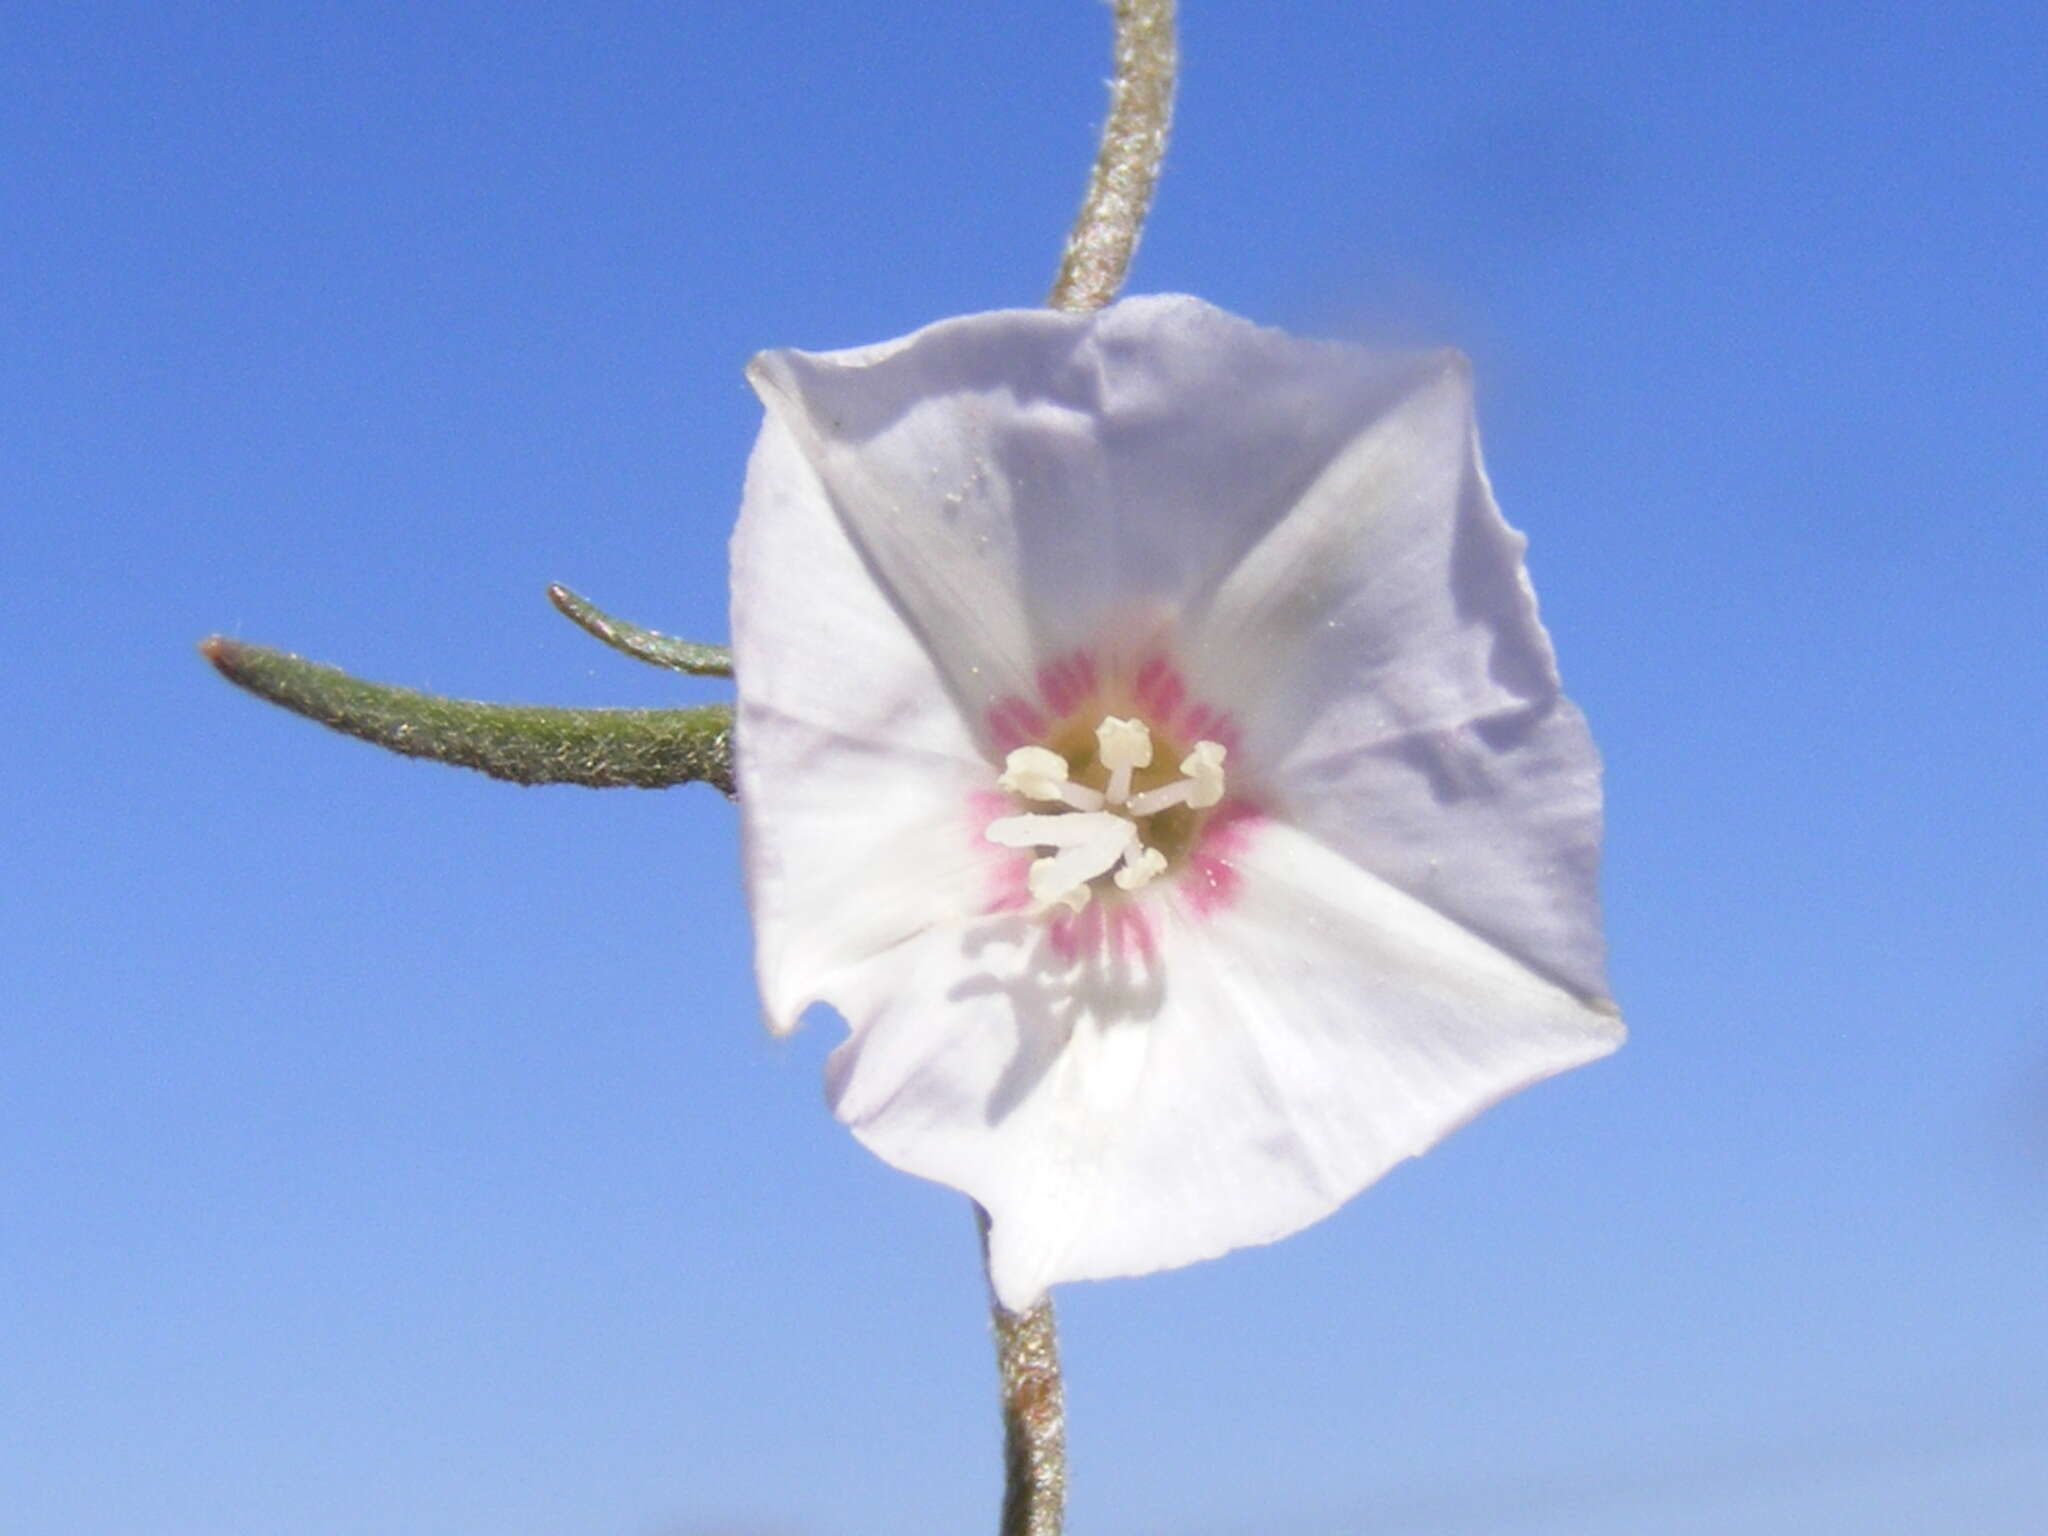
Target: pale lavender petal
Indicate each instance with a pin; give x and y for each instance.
(857, 778)
(1025, 483)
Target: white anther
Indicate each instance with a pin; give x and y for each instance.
(1142, 866)
(1036, 773)
(1204, 768)
(1122, 745)
(1039, 773)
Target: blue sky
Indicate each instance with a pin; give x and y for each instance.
(390, 1151)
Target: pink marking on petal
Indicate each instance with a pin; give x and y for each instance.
(1066, 682)
(1133, 934)
(1011, 888)
(1171, 691)
(1056, 687)
(1229, 830)
(1075, 934)
(1059, 933)
(1211, 882)
(1009, 869)
(1198, 723)
(1159, 690)
(1012, 723)
(1002, 733)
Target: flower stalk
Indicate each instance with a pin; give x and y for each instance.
(1034, 1415)
(1120, 187)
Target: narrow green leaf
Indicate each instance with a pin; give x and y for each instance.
(646, 645)
(601, 748)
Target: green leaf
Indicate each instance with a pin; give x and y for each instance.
(646, 645)
(522, 744)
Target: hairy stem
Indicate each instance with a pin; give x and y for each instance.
(1034, 1414)
(599, 748)
(1126, 169)
(648, 645)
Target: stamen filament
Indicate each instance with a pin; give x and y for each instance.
(1032, 830)
(1123, 746)
(1153, 801)
(1081, 797)
(1056, 879)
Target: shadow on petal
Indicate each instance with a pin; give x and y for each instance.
(1098, 967)
(1463, 763)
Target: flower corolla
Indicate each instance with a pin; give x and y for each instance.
(1147, 742)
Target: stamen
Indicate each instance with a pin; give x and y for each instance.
(1204, 768)
(1142, 866)
(1038, 773)
(1096, 832)
(1153, 801)
(1123, 745)
(1034, 831)
(1202, 788)
(1090, 844)
(1057, 879)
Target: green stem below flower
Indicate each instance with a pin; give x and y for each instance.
(598, 748)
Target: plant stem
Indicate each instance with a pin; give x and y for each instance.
(1034, 1414)
(1126, 169)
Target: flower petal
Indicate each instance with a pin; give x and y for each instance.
(1315, 1030)
(1028, 482)
(857, 778)
(1398, 696)
(1273, 1058)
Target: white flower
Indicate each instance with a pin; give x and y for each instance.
(1147, 742)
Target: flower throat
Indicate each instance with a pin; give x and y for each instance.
(1120, 811)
